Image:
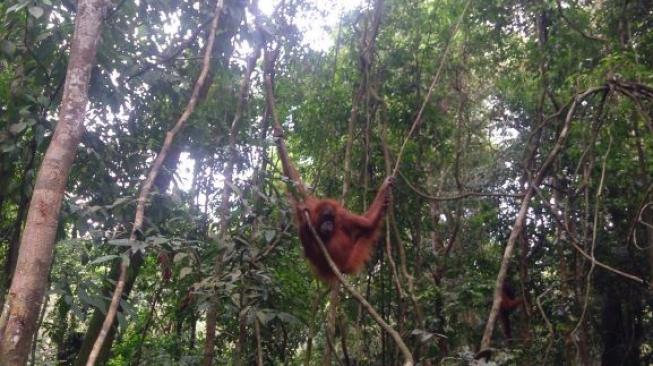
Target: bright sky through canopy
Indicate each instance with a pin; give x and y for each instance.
(318, 25)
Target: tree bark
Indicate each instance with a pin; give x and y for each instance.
(161, 183)
(21, 215)
(146, 188)
(366, 48)
(520, 219)
(21, 310)
(212, 312)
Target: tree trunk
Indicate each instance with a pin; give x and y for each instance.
(212, 313)
(21, 310)
(162, 182)
(366, 47)
(23, 204)
(520, 219)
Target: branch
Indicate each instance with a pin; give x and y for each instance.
(408, 357)
(170, 55)
(598, 201)
(575, 242)
(299, 192)
(149, 182)
(520, 219)
(576, 27)
(456, 196)
(270, 247)
(638, 105)
(388, 171)
(549, 326)
(393, 265)
(436, 78)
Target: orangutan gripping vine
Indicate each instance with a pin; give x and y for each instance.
(347, 236)
(509, 302)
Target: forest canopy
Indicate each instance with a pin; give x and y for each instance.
(148, 215)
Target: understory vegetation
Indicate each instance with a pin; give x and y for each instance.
(521, 133)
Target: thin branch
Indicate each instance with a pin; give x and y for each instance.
(408, 357)
(35, 339)
(455, 196)
(311, 327)
(520, 219)
(638, 107)
(640, 220)
(164, 59)
(149, 182)
(436, 78)
(388, 166)
(549, 326)
(599, 194)
(136, 358)
(576, 27)
(392, 221)
(366, 46)
(637, 89)
(393, 265)
(575, 242)
(270, 247)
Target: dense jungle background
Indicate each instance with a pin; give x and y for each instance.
(138, 152)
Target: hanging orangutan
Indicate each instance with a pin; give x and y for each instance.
(509, 302)
(348, 237)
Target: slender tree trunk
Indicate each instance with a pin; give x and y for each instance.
(211, 322)
(226, 194)
(139, 216)
(520, 219)
(44, 308)
(23, 204)
(136, 359)
(162, 183)
(21, 309)
(366, 48)
(259, 347)
(311, 328)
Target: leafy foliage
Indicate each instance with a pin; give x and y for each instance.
(495, 115)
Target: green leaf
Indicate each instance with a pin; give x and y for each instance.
(269, 235)
(178, 257)
(185, 272)
(157, 240)
(287, 318)
(17, 128)
(119, 242)
(18, 6)
(43, 100)
(36, 11)
(8, 48)
(120, 201)
(104, 258)
(264, 316)
(8, 148)
(43, 36)
(92, 301)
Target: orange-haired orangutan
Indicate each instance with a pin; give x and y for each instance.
(348, 237)
(509, 302)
